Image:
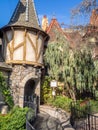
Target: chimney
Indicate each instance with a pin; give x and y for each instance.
(45, 23)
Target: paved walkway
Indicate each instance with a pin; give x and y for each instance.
(52, 119)
(46, 122)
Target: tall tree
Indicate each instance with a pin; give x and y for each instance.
(75, 68)
(82, 12)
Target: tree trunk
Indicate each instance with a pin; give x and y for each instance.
(71, 91)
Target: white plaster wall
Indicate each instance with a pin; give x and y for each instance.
(30, 52)
(18, 54)
(33, 37)
(19, 37)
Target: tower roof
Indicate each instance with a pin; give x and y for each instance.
(25, 15)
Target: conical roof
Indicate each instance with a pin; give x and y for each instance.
(25, 15)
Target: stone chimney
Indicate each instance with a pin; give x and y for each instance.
(45, 23)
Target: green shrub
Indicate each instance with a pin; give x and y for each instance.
(14, 120)
(60, 102)
(30, 115)
(94, 106)
(90, 106)
(80, 109)
(46, 91)
(4, 89)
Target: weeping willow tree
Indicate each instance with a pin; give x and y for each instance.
(96, 73)
(54, 56)
(82, 74)
(75, 68)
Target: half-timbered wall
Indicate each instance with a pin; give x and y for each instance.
(24, 47)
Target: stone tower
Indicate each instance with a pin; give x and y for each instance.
(23, 43)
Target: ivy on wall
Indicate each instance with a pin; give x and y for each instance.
(4, 89)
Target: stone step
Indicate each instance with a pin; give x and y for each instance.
(59, 114)
(46, 122)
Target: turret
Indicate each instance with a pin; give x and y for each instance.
(23, 36)
(23, 43)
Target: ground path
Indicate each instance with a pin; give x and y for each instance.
(51, 118)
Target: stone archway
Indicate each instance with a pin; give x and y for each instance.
(29, 79)
(29, 89)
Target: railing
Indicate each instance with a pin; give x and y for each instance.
(32, 102)
(31, 105)
(81, 119)
(32, 113)
(29, 126)
(30, 117)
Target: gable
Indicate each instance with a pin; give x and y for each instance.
(55, 31)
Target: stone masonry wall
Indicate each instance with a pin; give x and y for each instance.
(19, 72)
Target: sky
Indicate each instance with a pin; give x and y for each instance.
(61, 9)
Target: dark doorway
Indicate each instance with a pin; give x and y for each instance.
(30, 98)
(29, 90)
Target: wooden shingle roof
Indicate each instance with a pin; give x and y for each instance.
(25, 15)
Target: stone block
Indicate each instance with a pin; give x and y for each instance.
(4, 109)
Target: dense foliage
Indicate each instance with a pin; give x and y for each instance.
(75, 68)
(5, 90)
(46, 91)
(60, 102)
(15, 120)
(54, 56)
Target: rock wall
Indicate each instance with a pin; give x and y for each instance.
(20, 75)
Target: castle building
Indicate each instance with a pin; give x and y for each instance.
(77, 38)
(55, 31)
(21, 51)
